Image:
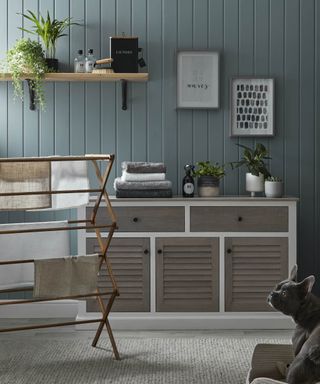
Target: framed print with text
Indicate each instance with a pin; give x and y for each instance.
(197, 79)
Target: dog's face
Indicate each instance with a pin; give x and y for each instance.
(288, 295)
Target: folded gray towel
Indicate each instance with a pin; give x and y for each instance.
(160, 193)
(143, 167)
(141, 185)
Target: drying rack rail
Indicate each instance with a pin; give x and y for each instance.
(104, 243)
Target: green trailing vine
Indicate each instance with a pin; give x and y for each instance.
(27, 57)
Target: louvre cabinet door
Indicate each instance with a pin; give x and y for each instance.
(253, 266)
(130, 261)
(187, 274)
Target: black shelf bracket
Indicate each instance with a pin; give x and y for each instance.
(32, 94)
(124, 87)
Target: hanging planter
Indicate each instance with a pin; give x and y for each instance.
(26, 57)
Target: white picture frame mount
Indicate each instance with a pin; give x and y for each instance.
(198, 79)
(251, 106)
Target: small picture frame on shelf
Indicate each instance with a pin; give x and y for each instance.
(198, 79)
(251, 106)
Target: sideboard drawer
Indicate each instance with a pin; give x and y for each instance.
(239, 219)
(147, 219)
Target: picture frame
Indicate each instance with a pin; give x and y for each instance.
(198, 79)
(252, 106)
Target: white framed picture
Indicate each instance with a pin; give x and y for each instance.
(252, 106)
(197, 79)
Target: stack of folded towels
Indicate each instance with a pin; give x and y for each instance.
(143, 179)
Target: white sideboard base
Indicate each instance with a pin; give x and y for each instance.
(47, 309)
(195, 321)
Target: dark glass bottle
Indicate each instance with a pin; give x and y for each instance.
(188, 182)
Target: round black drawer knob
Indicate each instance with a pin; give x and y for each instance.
(146, 251)
(239, 218)
(229, 250)
(159, 251)
(135, 219)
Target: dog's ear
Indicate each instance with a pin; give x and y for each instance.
(293, 273)
(306, 285)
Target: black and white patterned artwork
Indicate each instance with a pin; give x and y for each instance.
(252, 105)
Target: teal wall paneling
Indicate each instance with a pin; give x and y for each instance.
(276, 38)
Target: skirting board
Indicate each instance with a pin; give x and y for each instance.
(49, 309)
(189, 321)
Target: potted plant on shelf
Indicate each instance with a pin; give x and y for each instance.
(253, 159)
(49, 30)
(208, 178)
(273, 187)
(27, 57)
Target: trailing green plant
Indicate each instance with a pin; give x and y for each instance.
(253, 159)
(274, 178)
(205, 168)
(27, 56)
(49, 30)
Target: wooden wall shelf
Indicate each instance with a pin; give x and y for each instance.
(86, 77)
(136, 77)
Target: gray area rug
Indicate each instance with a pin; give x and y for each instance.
(214, 359)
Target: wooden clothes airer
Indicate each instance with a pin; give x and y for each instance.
(74, 225)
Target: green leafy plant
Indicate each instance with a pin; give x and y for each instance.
(274, 178)
(253, 159)
(205, 168)
(27, 57)
(49, 30)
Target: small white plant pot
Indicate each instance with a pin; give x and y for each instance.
(254, 183)
(273, 188)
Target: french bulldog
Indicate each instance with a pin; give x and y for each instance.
(296, 300)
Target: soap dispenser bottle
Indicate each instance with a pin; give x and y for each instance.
(188, 181)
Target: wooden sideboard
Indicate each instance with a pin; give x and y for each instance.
(197, 263)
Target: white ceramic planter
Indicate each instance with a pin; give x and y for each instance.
(254, 183)
(273, 188)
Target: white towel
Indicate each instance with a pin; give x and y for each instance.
(67, 175)
(126, 176)
(34, 245)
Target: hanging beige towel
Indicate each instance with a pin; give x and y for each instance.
(25, 177)
(65, 276)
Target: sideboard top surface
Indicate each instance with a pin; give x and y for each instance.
(235, 199)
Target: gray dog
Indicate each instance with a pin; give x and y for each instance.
(296, 300)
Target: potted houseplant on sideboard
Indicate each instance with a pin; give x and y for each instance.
(253, 159)
(208, 178)
(273, 187)
(49, 30)
(27, 57)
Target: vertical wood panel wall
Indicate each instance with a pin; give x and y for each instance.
(276, 38)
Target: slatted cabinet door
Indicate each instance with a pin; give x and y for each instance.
(187, 274)
(130, 261)
(253, 266)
